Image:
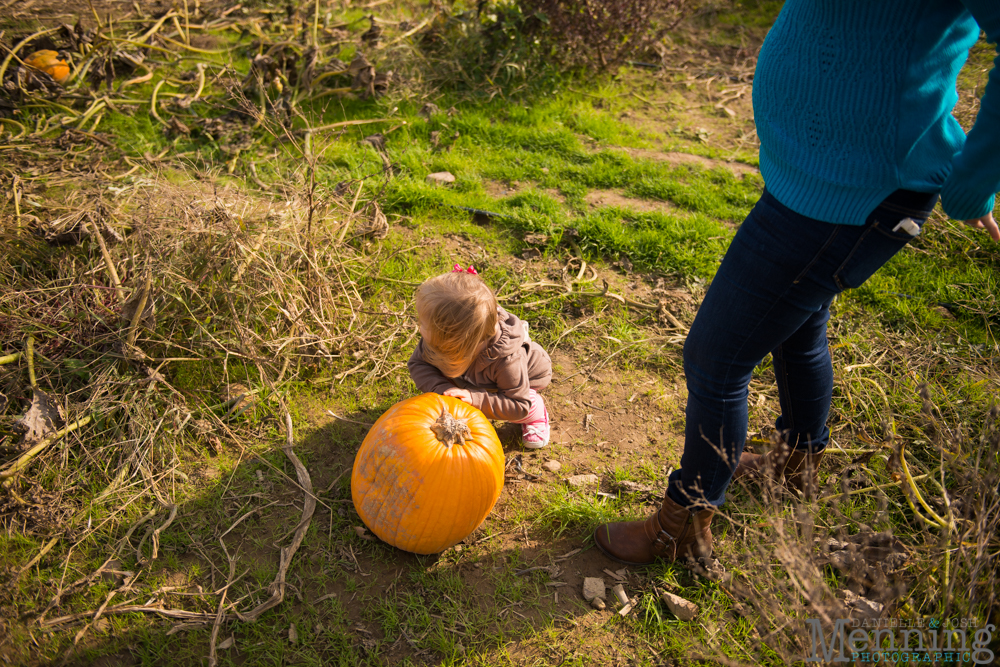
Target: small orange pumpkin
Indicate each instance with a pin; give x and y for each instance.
(50, 63)
(428, 473)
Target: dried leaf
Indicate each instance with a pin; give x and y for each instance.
(372, 35)
(376, 141)
(65, 230)
(380, 85)
(148, 317)
(226, 643)
(377, 226)
(43, 417)
(363, 76)
(175, 127)
(293, 634)
(358, 65)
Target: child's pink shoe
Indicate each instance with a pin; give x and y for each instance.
(535, 434)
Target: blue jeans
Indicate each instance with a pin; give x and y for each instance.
(772, 294)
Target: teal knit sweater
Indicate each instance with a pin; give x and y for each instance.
(853, 98)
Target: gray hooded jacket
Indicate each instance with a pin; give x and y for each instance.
(500, 377)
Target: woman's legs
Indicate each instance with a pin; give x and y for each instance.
(804, 374)
(755, 305)
(772, 294)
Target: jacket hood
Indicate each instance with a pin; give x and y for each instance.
(511, 335)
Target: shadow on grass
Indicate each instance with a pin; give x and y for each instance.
(350, 599)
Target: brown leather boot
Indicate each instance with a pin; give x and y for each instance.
(673, 532)
(796, 468)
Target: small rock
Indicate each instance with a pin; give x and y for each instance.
(598, 603)
(429, 110)
(681, 608)
(619, 592)
(293, 634)
(628, 486)
(111, 571)
(582, 480)
(593, 587)
(863, 606)
(943, 312)
(545, 170)
(552, 466)
(441, 178)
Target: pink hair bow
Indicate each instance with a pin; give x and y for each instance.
(458, 269)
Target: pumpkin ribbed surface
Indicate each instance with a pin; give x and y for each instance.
(428, 473)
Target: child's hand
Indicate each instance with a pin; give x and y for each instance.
(461, 394)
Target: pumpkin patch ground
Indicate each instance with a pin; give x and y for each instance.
(212, 229)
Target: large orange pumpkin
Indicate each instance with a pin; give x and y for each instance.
(428, 473)
(49, 62)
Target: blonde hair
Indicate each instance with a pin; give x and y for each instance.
(459, 312)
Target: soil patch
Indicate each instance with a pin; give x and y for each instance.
(501, 189)
(609, 198)
(677, 159)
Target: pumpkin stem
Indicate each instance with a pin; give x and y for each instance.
(450, 430)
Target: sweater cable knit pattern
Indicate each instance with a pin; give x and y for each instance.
(853, 100)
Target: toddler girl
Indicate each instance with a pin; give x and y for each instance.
(472, 349)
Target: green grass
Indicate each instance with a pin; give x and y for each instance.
(889, 338)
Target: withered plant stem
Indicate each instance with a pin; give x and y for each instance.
(12, 53)
(29, 348)
(287, 553)
(350, 215)
(25, 458)
(108, 262)
(133, 329)
(97, 17)
(44, 550)
(152, 101)
(10, 358)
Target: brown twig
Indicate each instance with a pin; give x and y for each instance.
(350, 215)
(44, 550)
(164, 526)
(127, 608)
(212, 661)
(287, 553)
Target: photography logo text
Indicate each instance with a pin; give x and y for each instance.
(895, 641)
